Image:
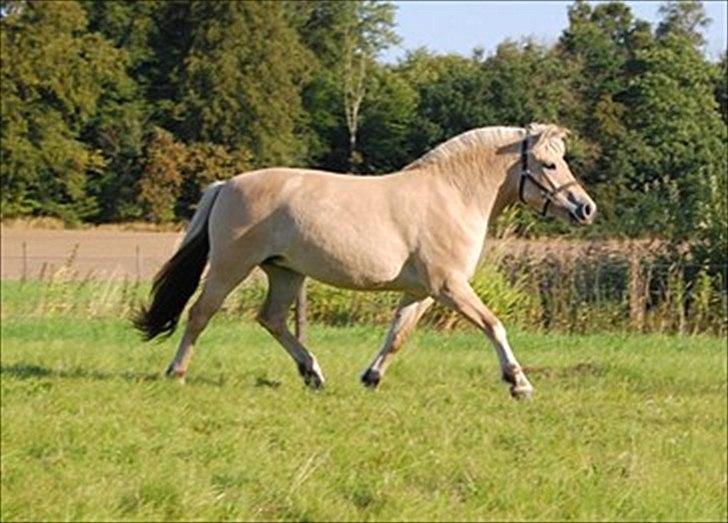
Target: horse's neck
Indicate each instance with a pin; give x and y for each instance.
(507, 193)
(487, 186)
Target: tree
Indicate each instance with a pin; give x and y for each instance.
(124, 112)
(678, 141)
(686, 18)
(242, 79)
(720, 90)
(345, 38)
(369, 30)
(450, 97)
(202, 164)
(527, 82)
(54, 74)
(387, 122)
(601, 45)
(161, 180)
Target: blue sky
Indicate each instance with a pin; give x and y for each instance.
(457, 26)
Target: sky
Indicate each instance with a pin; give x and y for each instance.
(459, 27)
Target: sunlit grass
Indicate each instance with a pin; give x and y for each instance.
(621, 428)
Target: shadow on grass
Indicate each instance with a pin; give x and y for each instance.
(578, 370)
(24, 371)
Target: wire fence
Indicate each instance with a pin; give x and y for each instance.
(596, 288)
(27, 267)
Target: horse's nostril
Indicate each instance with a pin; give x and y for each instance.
(585, 211)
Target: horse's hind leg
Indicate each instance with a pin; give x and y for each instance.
(219, 282)
(409, 311)
(283, 287)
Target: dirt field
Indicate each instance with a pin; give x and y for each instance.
(104, 252)
(95, 253)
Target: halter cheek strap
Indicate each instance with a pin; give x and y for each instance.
(548, 194)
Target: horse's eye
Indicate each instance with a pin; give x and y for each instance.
(549, 165)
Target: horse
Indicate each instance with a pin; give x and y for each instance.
(419, 231)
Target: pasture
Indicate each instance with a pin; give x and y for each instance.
(622, 427)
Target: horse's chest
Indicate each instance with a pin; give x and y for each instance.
(459, 247)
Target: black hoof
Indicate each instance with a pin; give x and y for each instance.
(310, 378)
(371, 378)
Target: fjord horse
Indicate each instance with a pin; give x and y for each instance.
(420, 231)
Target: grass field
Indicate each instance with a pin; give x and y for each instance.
(621, 428)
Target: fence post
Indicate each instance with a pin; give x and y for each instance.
(300, 313)
(636, 292)
(138, 265)
(24, 274)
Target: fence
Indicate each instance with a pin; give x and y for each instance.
(595, 288)
(25, 266)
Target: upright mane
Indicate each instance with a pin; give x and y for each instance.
(547, 135)
(465, 142)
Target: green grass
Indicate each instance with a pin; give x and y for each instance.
(621, 428)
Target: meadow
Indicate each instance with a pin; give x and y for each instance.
(622, 426)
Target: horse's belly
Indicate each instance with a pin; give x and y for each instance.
(356, 267)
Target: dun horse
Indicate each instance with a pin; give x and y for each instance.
(420, 231)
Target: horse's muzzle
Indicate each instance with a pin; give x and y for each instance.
(585, 213)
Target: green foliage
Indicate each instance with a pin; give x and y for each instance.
(250, 84)
(244, 95)
(345, 38)
(173, 174)
(161, 180)
(387, 121)
(450, 91)
(679, 157)
(54, 73)
(119, 126)
(685, 18)
(203, 164)
(720, 75)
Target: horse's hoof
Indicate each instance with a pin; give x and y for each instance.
(173, 372)
(522, 392)
(314, 382)
(371, 378)
(311, 378)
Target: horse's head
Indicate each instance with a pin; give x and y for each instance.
(546, 182)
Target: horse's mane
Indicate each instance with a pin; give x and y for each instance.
(548, 136)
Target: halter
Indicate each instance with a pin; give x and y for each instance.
(548, 194)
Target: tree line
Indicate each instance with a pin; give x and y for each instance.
(123, 110)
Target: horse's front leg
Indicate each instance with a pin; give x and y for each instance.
(459, 296)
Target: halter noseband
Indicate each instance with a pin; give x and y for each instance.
(548, 194)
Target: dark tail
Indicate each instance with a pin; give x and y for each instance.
(178, 279)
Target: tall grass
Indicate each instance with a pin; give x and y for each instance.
(595, 291)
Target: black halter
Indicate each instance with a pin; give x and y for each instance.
(547, 193)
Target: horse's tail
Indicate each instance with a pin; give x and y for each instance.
(177, 280)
